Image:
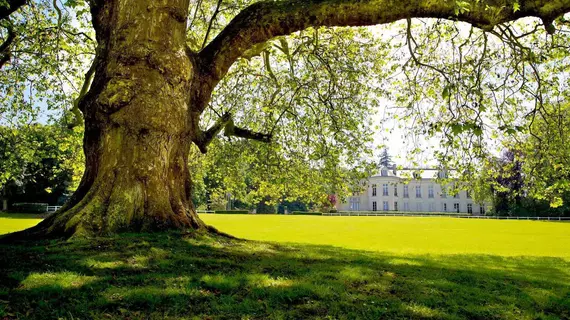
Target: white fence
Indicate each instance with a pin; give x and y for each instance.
(374, 214)
(52, 208)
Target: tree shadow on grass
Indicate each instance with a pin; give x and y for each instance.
(167, 276)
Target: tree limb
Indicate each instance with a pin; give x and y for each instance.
(265, 20)
(10, 6)
(78, 117)
(226, 123)
(231, 130)
(211, 23)
(5, 54)
(204, 138)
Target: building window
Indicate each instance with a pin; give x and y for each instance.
(456, 207)
(406, 206)
(395, 190)
(374, 190)
(431, 207)
(385, 206)
(430, 191)
(395, 206)
(385, 189)
(468, 194)
(482, 210)
(443, 193)
(418, 191)
(374, 206)
(406, 192)
(355, 203)
(445, 207)
(469, 208)
(419, 207)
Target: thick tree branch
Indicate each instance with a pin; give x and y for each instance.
(268, 19)
(9, 7)
(204, 138)
(226, 123)
(231, 130)
(5, 54)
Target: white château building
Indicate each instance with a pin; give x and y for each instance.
(410, 191)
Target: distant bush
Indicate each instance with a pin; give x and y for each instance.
(29, 207)
(304, 213)
(231, 212)
(333, 211)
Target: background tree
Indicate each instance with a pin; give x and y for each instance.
(385, 159)
(39, 163)
(508, 188)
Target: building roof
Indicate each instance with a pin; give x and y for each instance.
(405, 173)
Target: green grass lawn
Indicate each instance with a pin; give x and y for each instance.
(405, 235)
(10, 222)
(306, 267)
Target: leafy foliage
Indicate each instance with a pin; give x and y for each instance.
(39, 163)
(471, 90)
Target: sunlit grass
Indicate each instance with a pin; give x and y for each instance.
(10, 222)
(405, 235)
(167, 276)
(62, 280)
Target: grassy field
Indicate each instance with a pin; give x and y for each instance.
(311, 268)
(17, 221)
(405, 235)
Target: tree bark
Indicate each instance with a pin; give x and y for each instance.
(139, 126)
(10, 6)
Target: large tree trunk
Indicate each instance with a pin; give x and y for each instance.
(139, 125)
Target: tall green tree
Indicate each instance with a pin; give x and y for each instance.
(155, 77)
(385, 158)
(39, 163)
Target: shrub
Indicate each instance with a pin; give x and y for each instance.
(304, 213)
(29, 207)
(231, 212)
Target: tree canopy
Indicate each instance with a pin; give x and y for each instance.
(151, 78)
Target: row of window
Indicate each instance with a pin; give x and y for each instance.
(419, 207)
(418, 192)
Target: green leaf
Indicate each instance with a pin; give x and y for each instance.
(478, 131)
(445, 93)
(457, 128)
(516, 6)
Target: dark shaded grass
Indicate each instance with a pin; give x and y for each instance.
(169, 276)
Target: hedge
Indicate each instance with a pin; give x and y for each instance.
(29, 207)
(305, 213)
(231, 212)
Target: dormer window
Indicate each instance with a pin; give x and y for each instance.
(384, 172)
(417, 175)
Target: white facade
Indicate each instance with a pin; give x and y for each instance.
(389, 191)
